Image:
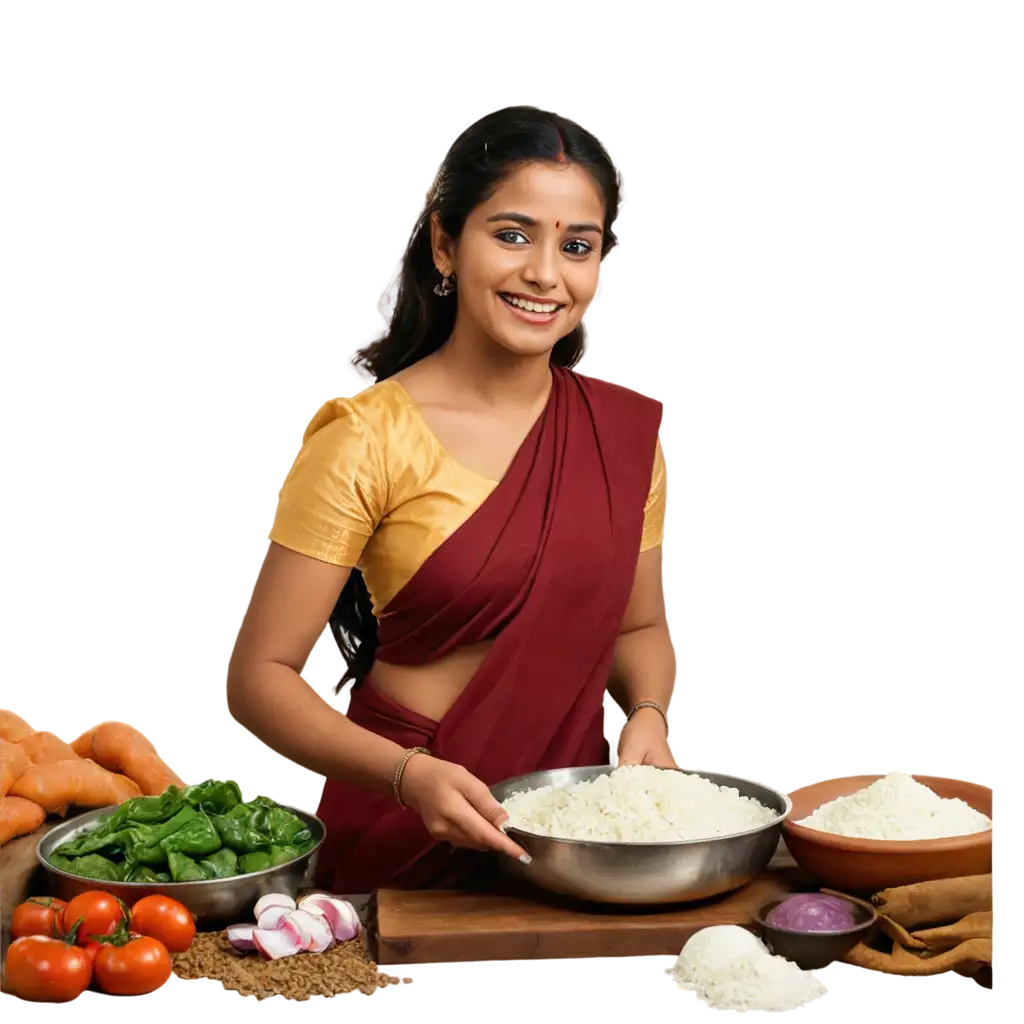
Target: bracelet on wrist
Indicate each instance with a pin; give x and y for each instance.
(654, 706)
(396, 782)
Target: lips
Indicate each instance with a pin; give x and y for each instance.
(529, 305)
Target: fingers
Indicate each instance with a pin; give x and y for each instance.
(629, 757)
(492, 816)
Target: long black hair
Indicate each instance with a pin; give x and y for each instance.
(422, 321)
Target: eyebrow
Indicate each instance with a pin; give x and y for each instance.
(530, 222)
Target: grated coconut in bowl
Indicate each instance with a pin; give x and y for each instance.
(897, 807)
(637, 804)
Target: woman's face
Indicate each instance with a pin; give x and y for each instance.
(527, 260)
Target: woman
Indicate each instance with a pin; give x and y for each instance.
(491, 521)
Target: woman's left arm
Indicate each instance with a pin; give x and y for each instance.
(644, 668)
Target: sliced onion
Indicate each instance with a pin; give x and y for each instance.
(339, 914)
(272, 917)
(316, 931)
(273, 899)
(240, 936)
(274, 943)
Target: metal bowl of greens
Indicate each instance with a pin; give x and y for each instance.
(202, 845)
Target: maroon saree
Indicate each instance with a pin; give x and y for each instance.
(544, 567)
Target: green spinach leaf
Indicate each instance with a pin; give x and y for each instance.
(143, 843)
(214, 797)
(282, 854)
(90, 842)
(222, 864)
(92, 865)
(241, 828)
(197, 837)
(141, 873)
(148, 810)
(258, 860)
(284, 827)
(184, 868)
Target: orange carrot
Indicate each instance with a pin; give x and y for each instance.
(18, 817)
(12, 728)
(120, 748)
(73, 782)
(13, 762)
(45, 748)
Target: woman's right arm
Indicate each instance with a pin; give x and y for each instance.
(290, 606)
(291, 603)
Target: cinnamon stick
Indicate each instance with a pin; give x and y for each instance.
(928, 904)
(964, 958)
(973, 926)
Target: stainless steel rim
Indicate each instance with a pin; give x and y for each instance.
(774, 823)
(68, 827)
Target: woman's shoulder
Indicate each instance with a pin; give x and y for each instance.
(615, 396)
(371, 414)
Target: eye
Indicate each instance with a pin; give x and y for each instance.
(584, 248)
(509, 235)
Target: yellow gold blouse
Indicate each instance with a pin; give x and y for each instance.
(372, 488)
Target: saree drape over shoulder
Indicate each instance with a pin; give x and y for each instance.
(543, 567)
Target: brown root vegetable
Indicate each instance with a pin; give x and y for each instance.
(12, 728)
(77, 782)
(18, 817)
(13, 762)
(120, 748)
(45, 748)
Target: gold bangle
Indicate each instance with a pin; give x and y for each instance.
(396, 782)
(649, 704)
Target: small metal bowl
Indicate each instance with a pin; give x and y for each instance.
(214, 902)
(811, 951)
(645, 874)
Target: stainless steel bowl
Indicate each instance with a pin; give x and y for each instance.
(642, 874)
(216, 901)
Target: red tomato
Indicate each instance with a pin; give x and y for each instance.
(99, 914)
(39, 915)
(139, 966)
(91, 949)
(165, 919)
(45, 970)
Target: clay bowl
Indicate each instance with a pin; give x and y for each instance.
(811, 951)
(870, 865)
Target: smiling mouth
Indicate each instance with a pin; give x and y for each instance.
(536, 307)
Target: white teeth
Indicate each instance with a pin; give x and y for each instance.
(532, 307)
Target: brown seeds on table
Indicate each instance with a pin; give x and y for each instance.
(345, 968)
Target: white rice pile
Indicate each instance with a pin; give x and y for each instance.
(637, 804)
(897, 807)
(731, 969)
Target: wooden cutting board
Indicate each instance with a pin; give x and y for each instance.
(525, 924)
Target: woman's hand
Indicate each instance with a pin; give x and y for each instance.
(456, 806)
(644, 740)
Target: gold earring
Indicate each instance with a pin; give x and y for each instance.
(446, 287)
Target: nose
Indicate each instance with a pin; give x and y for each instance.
(542, 267)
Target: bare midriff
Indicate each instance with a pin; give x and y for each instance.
(431, 689)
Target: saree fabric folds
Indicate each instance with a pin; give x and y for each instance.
(544, 569)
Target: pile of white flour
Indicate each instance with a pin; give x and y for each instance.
(731, 969)
(637, 804)
(897, 807)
